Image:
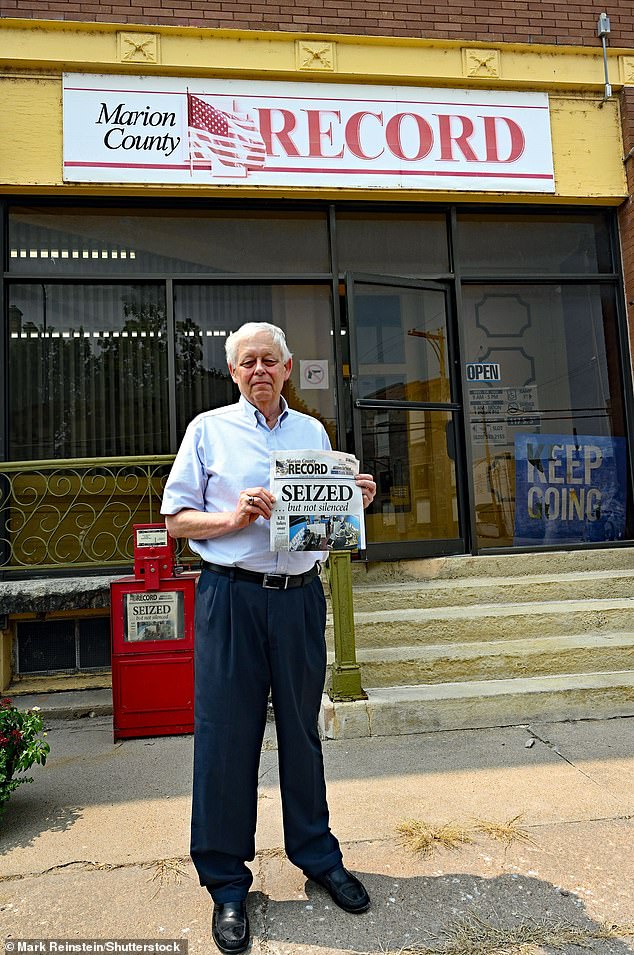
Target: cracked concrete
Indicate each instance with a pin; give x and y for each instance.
(84, 847)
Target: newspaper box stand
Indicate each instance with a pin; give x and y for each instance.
(152, 626)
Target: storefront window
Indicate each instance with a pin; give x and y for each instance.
(87, 371)
(206, 314)
(392, 244)
(117, 319)
(552, 244)
(544, 406)
(115, 241)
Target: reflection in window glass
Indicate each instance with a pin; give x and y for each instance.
(410, 454)
(548, 438)
(530, 243)
(206, 314)
(401, 343)
(392, 244)
(81, 241)
(87, 371)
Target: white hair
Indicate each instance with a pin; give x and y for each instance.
(249, 330)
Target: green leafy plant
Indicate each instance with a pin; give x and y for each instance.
(20, 746)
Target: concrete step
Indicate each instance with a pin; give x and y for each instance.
(469, 705)
(495, 660)
(487, 622)
(506, 565)
(595, 584)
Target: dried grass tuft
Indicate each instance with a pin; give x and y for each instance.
(166, 872)
(276, 852)
(421, 837)
(475, 936)
(505, 832)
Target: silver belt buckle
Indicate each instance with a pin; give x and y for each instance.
(275, 586)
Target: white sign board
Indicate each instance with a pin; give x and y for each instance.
(313, 374)
(152, 129)
(494, 410)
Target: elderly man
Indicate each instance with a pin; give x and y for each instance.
(260, 619)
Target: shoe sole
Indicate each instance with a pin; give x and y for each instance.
(231, 951)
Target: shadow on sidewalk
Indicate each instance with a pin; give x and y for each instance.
(26, 816)
(454, 912)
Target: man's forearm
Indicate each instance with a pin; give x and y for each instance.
(198, 525)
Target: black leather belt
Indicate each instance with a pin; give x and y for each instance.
(269, 581)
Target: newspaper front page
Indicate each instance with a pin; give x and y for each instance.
(317, 506)
(154, 615)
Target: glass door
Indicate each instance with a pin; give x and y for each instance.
(406, 424)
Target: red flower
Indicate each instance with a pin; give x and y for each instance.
(16, 735)
(3, 740)
(6, 703)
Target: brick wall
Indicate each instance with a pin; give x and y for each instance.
(524, 21)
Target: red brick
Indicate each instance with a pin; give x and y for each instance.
(554, 21)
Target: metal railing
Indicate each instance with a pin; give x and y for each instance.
(76, 513)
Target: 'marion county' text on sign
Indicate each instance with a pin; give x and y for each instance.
(209, 131)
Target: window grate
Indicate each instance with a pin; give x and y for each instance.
(53, 646)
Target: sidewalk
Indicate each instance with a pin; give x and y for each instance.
(96, 846)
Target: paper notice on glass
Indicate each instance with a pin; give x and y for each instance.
(317, 506)
(154, 615)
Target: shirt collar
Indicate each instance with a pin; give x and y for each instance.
(252, 413)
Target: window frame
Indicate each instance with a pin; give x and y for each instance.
(455, 277)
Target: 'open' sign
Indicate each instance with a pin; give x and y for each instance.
(483, 371)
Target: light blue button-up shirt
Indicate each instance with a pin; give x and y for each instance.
(225, 451)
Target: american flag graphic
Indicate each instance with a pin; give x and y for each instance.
(230, 137)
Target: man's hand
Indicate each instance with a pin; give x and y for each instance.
(253, 502)
(368, 488)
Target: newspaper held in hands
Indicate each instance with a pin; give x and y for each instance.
(317, 506)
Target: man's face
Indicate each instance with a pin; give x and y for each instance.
(260, 372)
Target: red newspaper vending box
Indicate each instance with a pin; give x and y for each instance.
(152, 627)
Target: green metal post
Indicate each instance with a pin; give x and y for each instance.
(150, 493)
(346, 674)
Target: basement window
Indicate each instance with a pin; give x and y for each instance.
(67, 646)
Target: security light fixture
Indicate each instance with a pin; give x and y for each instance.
(603, 31)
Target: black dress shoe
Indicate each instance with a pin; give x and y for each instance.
(345, 889)
(230, 927)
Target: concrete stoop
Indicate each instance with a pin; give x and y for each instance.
(545, 563)
(496, 659)
(468, 642)
(527, 588)
(399, 710)
(490, 621)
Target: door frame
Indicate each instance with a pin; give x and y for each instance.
(438, 547)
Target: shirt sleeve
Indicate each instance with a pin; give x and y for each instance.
(185, 486)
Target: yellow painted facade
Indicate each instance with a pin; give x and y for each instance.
(587, 142)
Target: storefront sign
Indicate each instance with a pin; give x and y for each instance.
(483, 371)
(171, 130)
(569, 488)
(492, 411)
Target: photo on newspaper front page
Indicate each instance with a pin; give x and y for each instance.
(317, 506)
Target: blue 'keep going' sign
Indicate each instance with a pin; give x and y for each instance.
(569, 488)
